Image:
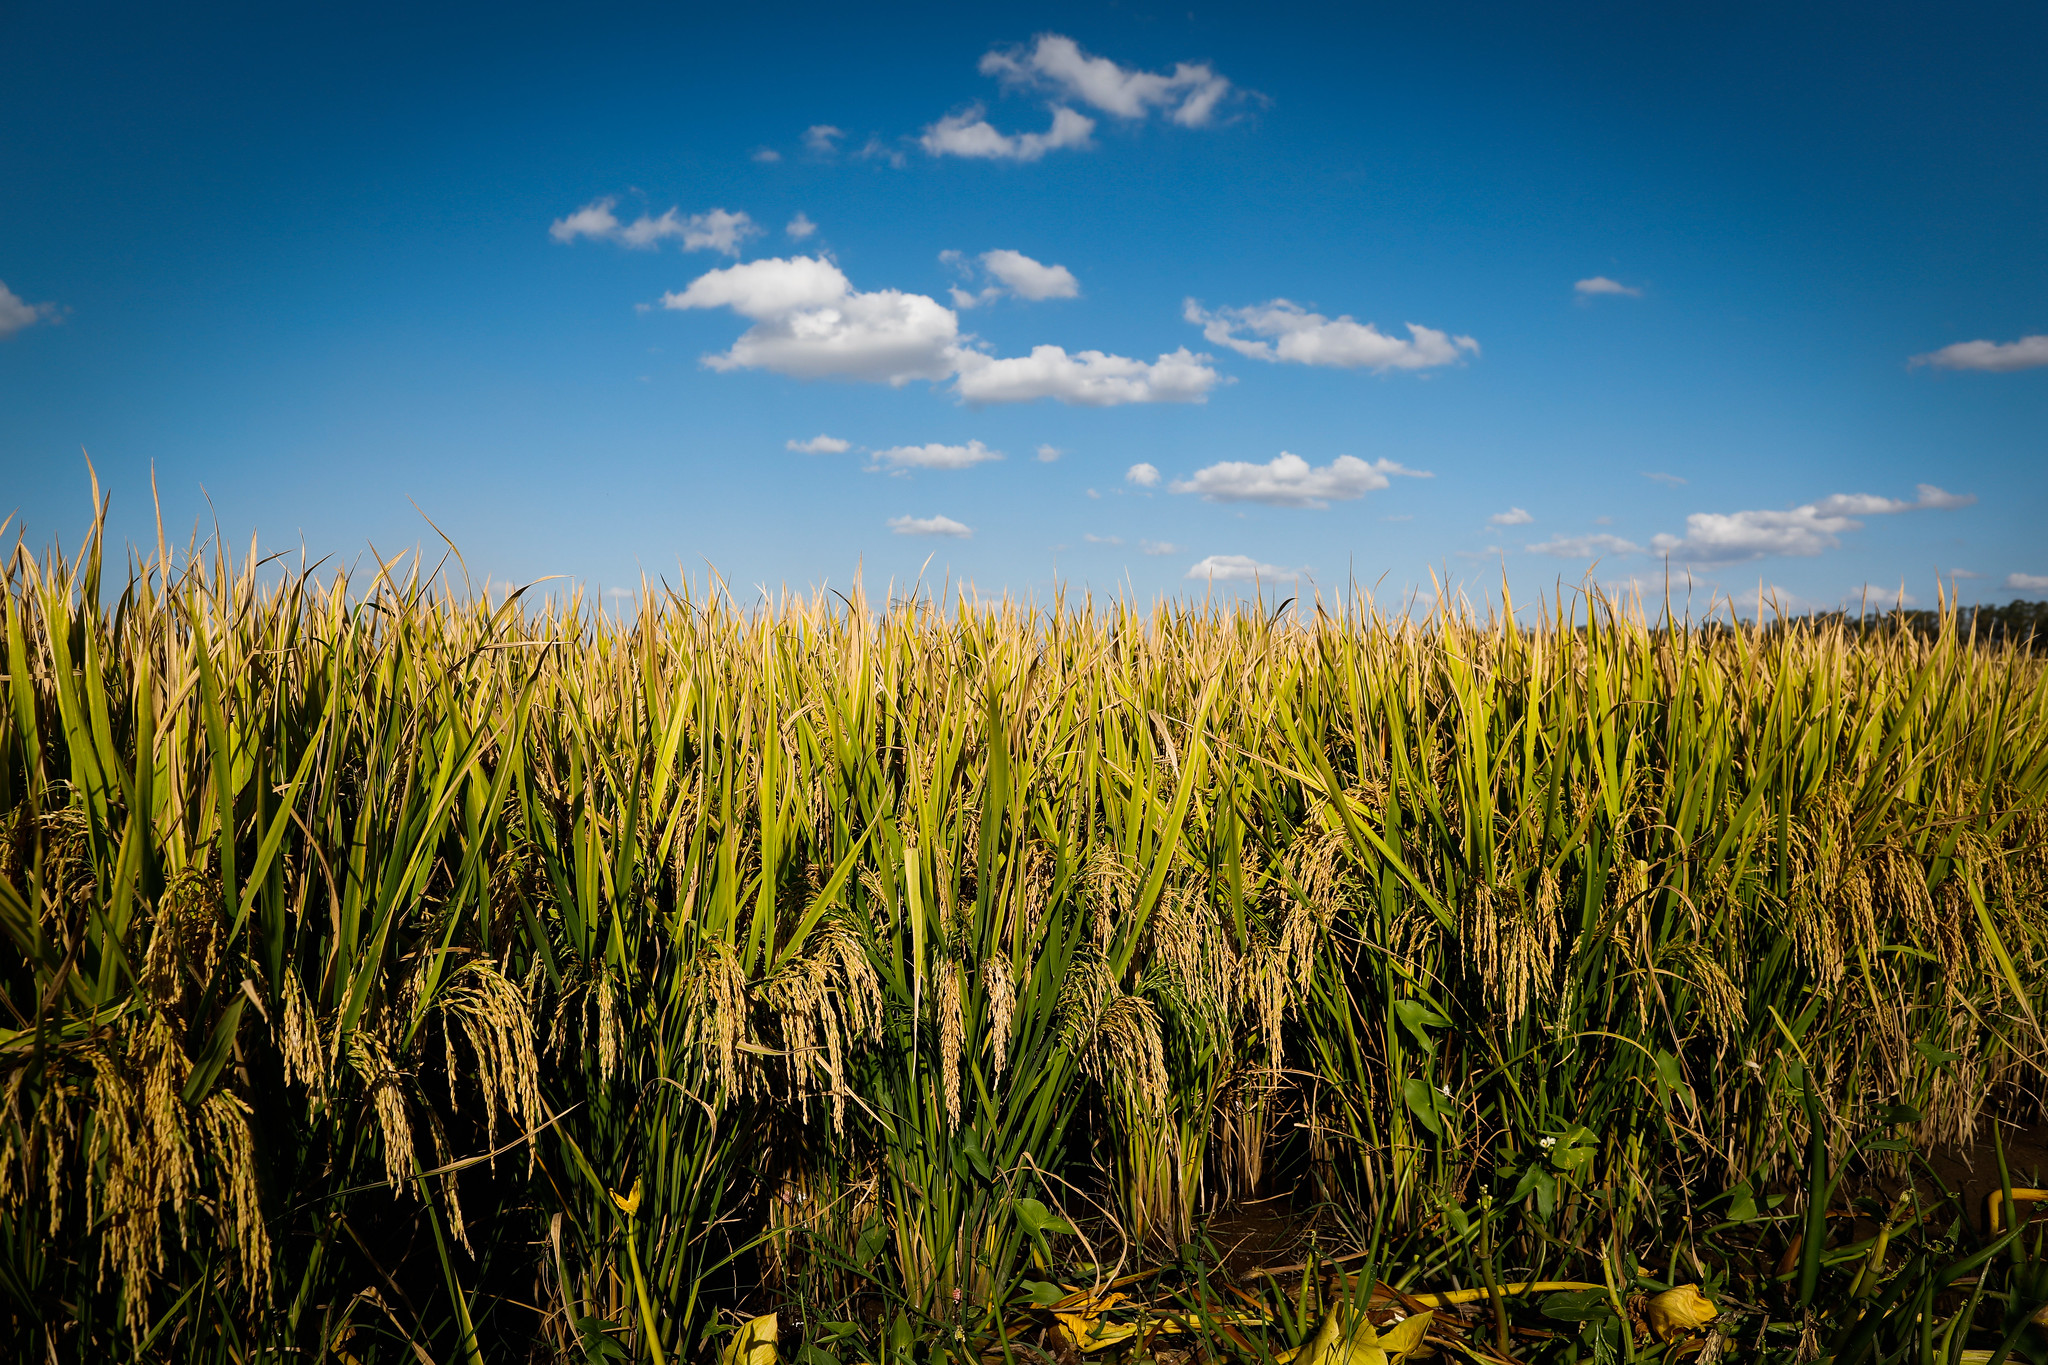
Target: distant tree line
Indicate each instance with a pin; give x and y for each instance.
(2024, 624)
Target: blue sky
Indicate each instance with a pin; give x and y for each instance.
(1757, 292)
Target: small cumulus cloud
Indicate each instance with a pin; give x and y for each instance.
(822, 139)
(799, 228)
(766, 155)
(1238, 568)
(1600, 284)
(2027, 582)
(1014, 274)
(1085, 379)
(714, 230)
(930, 526)
(17, 313)
(1144, 474)
(1047, 454)
(821, 445)
(811, 323)
(1514, 516)
(1306, 338)
(1028, 279)
(1290, 481)
(937, 456)
(970, 134)
(1994, 357)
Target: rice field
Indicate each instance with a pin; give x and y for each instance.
(399, 972)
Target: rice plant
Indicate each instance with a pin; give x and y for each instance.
(394, 970)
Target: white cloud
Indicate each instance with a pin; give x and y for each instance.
(1932, 497)
(1600, 284)
(2027, 582)
(822, 138)
(1188, 96)
(1047, 454)
(1996, 357)
(964, 300)
(17, 313)
(1015, 273)
(1160, 547)
(718, 230)
(1311, 339)
(766, 155)
(1241, 568)
(1143, 474)
(1514, 516)
(874, 149)
(1093, 539)
(1963, 573)
(969, 134)
(937, 456)
(1290, 481)
(800, 227)
(1672, 480)
(821, 445)
(1809, 529)
(1586, 547)
(1088, 378)
(930, 526)
(1027, 279)
(810, 322)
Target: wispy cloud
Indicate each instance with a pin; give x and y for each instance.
(16, 313)
(1094, 539)
(1586, 547)
(1160, 547)
(1290, 481)
(937, 456)
(1995, 357)
(1600, 284)
(799, 227)
(1514, 516)
(1047, 454)
(821, 445)
(714, 229)
(930, 526)
(2027, 582)
(1672, 480)
(765, 155)
(1307, 338)
(1188, 95)
(822, 139)
(1014, 274)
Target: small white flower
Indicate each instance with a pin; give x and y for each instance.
(1548, 1143)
